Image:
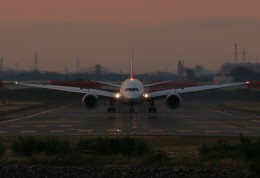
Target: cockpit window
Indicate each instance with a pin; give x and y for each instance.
(131, 89)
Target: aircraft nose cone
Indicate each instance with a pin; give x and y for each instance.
(131, 95)
(134, 95)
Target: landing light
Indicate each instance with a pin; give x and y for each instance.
(117, 95)
(146, 95)
(16, 83)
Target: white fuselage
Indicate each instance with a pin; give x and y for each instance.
(132, 91)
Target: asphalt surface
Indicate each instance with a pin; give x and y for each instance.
(78, 172)
(192, 118)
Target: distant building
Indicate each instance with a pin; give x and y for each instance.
(4, 68)
(228, 67)
(180, 70)
(192, 74)
(200, 71)
(97, 69)
(222, 79)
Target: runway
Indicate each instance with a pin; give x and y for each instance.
(204, 118)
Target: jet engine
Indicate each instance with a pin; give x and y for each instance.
(90, 101)
(173, 101)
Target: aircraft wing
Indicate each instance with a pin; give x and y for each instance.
(158, 83)
(106, 83)
(71, 89)
(163, 93)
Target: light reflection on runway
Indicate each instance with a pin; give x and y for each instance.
(190, 119)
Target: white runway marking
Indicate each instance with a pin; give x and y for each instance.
(113, 130)
(64, 125)
(184, 131)
(134, 121)
(255, 120)
(28, 131)
(220, 112)
(252, 127)
(156, 130)
(33, 115)
(228, 126)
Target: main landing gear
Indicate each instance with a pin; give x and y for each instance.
(111, 108)
(152, 108)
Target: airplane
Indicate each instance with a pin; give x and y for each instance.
(131, 92)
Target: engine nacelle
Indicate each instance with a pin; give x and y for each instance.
(90, 101)
(173, 101)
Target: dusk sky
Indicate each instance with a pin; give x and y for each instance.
(200, 32)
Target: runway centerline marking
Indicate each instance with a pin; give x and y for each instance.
(64, 125)
(111, 130)
(134, 121)
(156, 130)
(252, 127)
(28, 131)
(228, 126)
(33, 115)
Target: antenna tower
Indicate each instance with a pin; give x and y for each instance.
(36, 61)
(235, 52)
(1, 63)
(244, 55)
(78, 65)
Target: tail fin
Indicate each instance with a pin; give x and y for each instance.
(132, 63)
